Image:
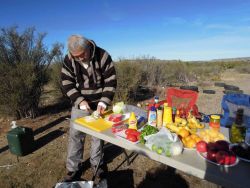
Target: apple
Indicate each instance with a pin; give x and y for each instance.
(201, 146)
(221, 157)
(227, 160)
(232, 157)
(211, 155)
(222, 145)
(211, 147)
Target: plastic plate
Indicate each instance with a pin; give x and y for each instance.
(204, 156)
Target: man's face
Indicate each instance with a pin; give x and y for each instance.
(83, 56)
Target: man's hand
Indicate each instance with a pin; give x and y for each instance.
(84, 106)
(101, 108)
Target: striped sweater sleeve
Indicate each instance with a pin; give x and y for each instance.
(109, 76)
(68, 82)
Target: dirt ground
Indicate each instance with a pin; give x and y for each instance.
(46, 165)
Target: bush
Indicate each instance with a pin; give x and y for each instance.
(152, 73)
(129, 76)
(23, 70)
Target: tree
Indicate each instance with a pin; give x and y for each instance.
(24, 60)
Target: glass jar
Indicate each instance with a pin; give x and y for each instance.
(214, 122)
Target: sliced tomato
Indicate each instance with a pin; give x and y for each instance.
(115, 117)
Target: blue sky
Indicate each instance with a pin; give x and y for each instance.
(165, 29)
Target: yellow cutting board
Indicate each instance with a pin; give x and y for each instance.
(98, 125)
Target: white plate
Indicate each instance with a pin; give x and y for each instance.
(203, 155)
(124, 118)
(242, 159)
(122, 135)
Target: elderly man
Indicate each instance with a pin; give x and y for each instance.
(89, 80)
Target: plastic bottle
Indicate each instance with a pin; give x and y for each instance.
(13, 125)
(167, 114)
(132, 121)
(156, 102)
(152, 117)
(159, 117)
(173, 113)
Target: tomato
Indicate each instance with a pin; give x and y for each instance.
(115, 117)
(132, 138)
(131, 131)
(201, 146)
(138, 135)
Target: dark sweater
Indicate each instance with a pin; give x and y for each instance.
(94, 84)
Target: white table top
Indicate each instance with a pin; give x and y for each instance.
(188, 162)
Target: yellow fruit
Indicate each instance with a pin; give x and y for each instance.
(188, 138)
(213, 133)
(206, 138)
(183, 133)
(193, 136)
(191, 143)
(197, 139)
(221, 136)
(183, 141)
(203, 133)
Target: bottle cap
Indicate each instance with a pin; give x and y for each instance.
(153, 108)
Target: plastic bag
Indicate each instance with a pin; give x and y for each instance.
(75, 184)
(164, 143)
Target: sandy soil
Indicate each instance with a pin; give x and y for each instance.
(46, 165)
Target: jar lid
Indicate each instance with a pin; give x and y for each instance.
(217, 117)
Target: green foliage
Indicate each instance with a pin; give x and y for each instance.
(129, 76)
(55, 73)
(23, 70)
(151, 73)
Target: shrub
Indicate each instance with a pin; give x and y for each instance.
(128, 78)
(24, 61)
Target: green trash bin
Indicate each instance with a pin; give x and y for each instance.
(20, 140)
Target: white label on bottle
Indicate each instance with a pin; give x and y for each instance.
(152, 119)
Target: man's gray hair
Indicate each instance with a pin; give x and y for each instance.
(77, 44)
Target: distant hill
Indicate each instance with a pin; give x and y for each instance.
(233, 59)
